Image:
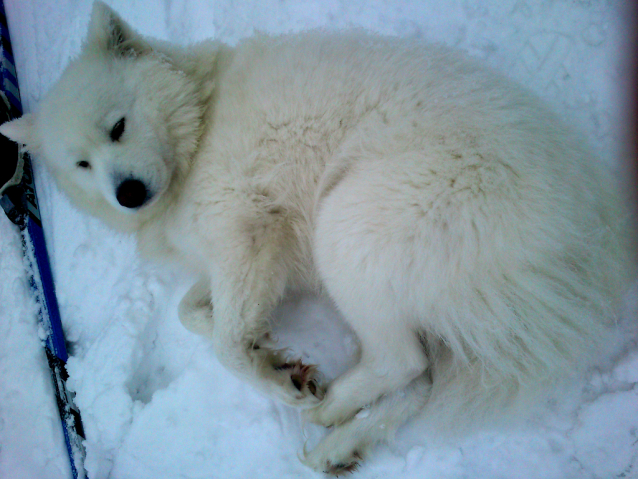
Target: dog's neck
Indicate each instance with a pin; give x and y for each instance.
(203, 64)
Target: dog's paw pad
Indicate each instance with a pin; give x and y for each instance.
(342, 468)
(302, 377)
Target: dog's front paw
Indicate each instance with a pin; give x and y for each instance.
(304, 380)
(291, 381)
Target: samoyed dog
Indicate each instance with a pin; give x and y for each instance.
(464, 233)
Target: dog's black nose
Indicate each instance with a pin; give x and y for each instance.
(132, 193)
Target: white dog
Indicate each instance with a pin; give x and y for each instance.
(464, 233)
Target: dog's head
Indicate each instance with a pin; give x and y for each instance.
(119, 128)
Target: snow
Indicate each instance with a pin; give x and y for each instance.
(155, 401)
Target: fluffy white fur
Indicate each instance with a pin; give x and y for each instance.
(465, 234)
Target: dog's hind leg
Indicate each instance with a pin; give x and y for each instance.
(368, 253)
(348, 444)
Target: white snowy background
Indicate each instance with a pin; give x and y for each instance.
(156, 403)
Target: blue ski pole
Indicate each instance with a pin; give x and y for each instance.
(19, 200)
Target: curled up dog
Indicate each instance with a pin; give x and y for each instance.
(466, 235)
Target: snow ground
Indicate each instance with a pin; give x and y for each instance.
(155, 402)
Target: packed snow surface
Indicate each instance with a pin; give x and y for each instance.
(155, 401)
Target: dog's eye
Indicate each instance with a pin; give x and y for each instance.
(118, 130)
(83, 164)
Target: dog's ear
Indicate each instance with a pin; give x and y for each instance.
(108, 32)
(21, 130)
